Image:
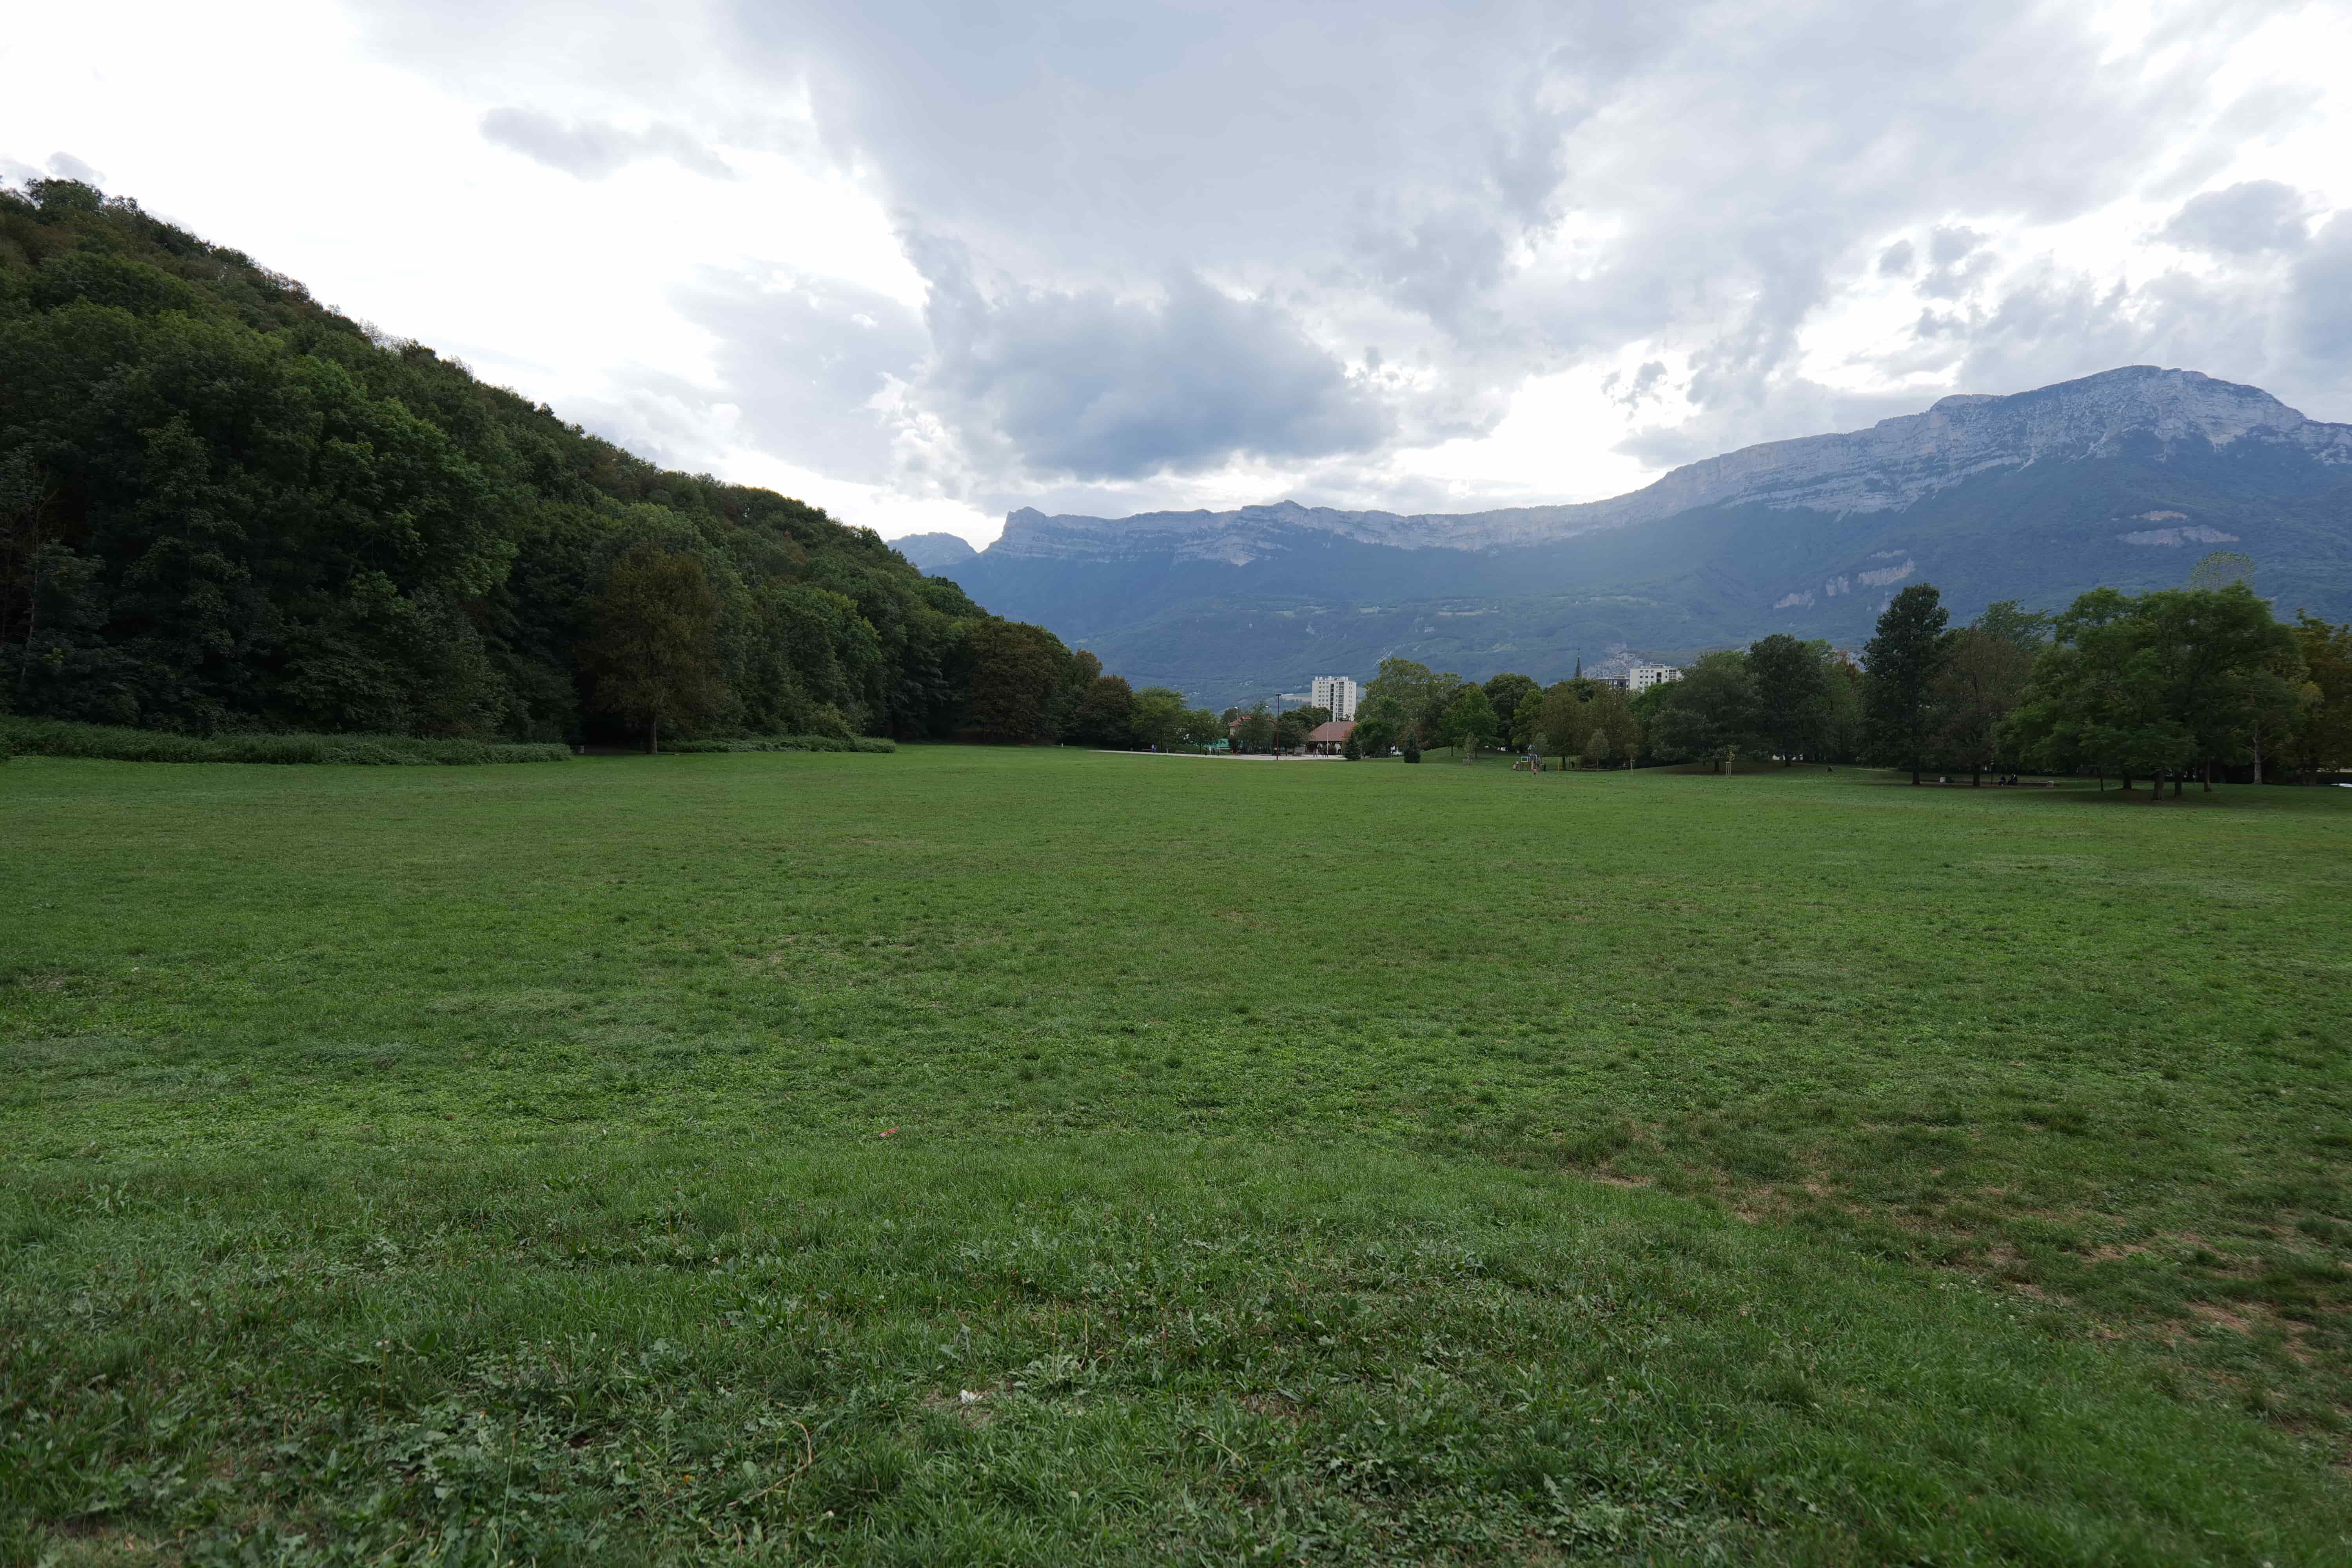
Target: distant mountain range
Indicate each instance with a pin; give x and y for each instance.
(2126, 478)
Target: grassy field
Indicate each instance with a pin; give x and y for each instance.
(974, 1155)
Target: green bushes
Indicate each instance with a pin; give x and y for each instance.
(786, 744)
(60, 738)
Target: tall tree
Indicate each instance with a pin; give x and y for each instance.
(1105, 714)
(2323, 743)
(1610, 714)
(655, 651)
(2274, 701)
(1899, 668)
(1018, 675)
(1793, 695)
(1983, 678)
(1409, 694)
(2012, 622)
(1468, 723)
(1559, 724)
(1504, 693)
(2212, 649)
(1158, 717)
(1710, 713)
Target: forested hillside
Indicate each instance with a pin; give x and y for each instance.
(224, 506)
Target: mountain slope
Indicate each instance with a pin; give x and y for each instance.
(2125, 477)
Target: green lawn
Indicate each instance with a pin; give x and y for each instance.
(642, 1159)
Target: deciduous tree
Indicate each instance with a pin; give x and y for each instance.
(1561, 722)
(1105, 714)
(1710, 713)
(1983, 678)
(1157, 717)
(1609, 712)
(1504, 693)
(1468, 723)
(2153, 683)
(2323, 743)
(1018, 673)
(654, 654)
(1793, 695)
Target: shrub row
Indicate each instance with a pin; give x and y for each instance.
(60, 738)
(786, 744)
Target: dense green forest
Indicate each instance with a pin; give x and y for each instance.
(2171, 684)
(225, 507)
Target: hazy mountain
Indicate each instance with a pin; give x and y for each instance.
(938, 554)
(2126, 477)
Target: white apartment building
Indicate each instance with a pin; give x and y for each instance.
(1642, 677)
(1336, 692)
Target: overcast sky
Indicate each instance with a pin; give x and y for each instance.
(923, 263)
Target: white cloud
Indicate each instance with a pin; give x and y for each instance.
(592, 149)
(934, 260)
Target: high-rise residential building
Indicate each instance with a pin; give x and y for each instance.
(1645, 676)
(1336, 692)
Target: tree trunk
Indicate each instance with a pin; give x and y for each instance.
(2179, 778)
(2258, 751)
(2209, 775)
(1976, 773)
(653, 736)
(2156, 789)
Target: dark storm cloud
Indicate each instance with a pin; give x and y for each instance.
(591, 149)
(2244, 220)
(1095, 386)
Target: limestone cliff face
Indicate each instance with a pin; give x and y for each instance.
(1892, 464)
(1897, 461)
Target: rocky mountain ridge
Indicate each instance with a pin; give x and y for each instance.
(1894, 464)
(2121, 480)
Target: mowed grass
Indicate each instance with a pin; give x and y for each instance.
(490, 1165)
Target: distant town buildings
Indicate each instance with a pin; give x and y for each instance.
(1334, 692)
(1642, 677)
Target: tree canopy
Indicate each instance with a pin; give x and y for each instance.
(1899, 668)
(224, 506)
(2151, 684)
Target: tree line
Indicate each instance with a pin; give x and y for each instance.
(226, 507)
(2168, 685)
